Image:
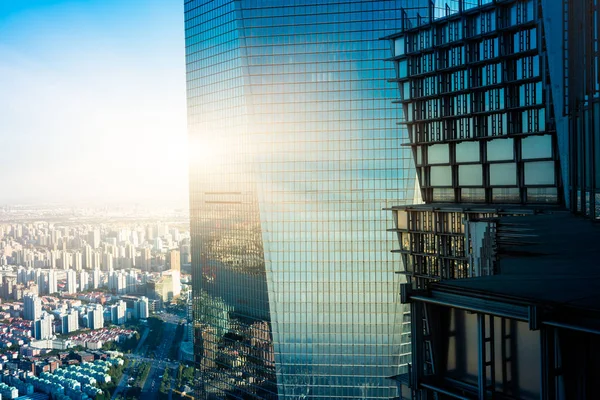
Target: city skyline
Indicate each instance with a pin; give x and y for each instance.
(90, 97)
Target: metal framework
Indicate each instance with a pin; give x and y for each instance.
(581, 52)
(478, 106)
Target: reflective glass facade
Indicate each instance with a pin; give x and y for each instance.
(295, 152)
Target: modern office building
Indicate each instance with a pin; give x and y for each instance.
(294, 155)
(501, 100)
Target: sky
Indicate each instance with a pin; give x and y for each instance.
(92, 102)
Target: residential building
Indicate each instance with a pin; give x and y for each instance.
(84, 280)
(96, 278)
(71, 281)
(32, 307)
(43, 327)
(95, 317)
(117, 312)
(142, 308)
(94, 238)
(70, 321)
(52, 281)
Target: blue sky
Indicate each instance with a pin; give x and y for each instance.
(92, 102)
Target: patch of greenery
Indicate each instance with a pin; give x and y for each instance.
(185, 376)
(165, 386)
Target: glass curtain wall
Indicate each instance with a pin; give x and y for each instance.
(295, 154)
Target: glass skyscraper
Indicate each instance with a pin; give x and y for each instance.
(295, 154)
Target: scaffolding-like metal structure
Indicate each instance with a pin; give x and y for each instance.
(477, 98)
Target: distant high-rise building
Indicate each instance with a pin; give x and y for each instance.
(107, 262)
(84, 280)
(87, 257)
(146, 257)
(71, 286)
(96, 260)
(94, 238)
(52, 282)
(96, 278)
(173, 260)
(77, 261)
(117, 282)
(117, 311)
(32, 307)
(43, 327)
(8, 284)
(158, 244)
(66, 260)
(142, 308)
(95, 316)
(70, 321)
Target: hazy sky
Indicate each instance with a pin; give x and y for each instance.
(92, 101)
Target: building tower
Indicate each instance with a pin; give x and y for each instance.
(501, 100)
(173, 260)
(52, 282)
(71, 281)
(94, 238)
(292, 161)
(32, 307)
(95, 316)
(77, 261)
(84, 280)
(43, 327)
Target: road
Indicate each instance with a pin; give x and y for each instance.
(160, 362)
(132, 366)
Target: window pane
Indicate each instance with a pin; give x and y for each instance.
(500, 149)
(402, 220)
(402, 69)
(443, 195)
(470, 175)
(399, 46)
(474, 195)
(467, 152)
(441, 176)
(539, 173)
(505, 195)
(503, 174)
(536, 147)
(438, 154)
(542, 195)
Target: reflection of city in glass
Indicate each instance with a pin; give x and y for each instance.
(295, 154)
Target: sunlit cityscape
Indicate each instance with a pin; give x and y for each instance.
(308, 199)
